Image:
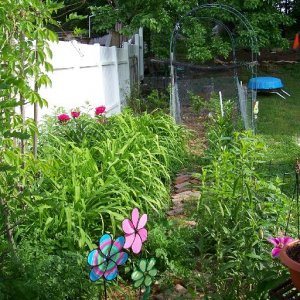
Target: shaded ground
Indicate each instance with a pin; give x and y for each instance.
(195, 123)
(274, 56)
(185, 196)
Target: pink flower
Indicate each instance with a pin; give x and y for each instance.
(63, 118)
(99, 110)
(279, 243)
(135, 233)
(75, 114)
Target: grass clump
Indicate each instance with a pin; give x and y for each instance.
(89, 174)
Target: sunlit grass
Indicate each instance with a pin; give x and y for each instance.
(279, 121)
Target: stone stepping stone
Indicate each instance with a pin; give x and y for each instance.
(183, 196)
(176, 211)
(181, 179)
(182, 187)
(184, 191)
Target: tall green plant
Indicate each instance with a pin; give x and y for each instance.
(93, 173)
(24, 37)
(24, 43)
(237, 210)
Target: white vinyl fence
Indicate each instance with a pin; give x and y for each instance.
(92, 75)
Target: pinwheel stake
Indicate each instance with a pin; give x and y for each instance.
(143, 275)
(135, 235)
(106, 258)
(109, 255)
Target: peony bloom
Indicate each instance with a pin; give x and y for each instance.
(279, 243)
(75, 114)
(107, 257)
(135, 233)
(100, 110)
(63, 118)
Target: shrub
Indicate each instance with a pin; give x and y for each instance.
(93, 173)
(90, 173)
(153, 101)
(237, 211)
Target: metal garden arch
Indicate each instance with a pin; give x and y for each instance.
(174, 97)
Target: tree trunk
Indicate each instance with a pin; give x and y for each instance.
(7, 227)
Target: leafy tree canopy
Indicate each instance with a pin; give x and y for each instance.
(159, 18)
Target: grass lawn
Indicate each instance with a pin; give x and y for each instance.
(279, 120)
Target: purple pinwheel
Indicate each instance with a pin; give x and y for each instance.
(106, 259)
(135, 233)
(279, 243)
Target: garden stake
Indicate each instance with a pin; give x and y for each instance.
(105, 294)
(105, 259)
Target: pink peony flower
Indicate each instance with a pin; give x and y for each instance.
(100, 110)
(279, 243)
(135, 233)
(63, 118)
(75, 114)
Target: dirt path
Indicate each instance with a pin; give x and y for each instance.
(186, 194)
(196, 124)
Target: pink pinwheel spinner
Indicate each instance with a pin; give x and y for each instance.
(135, 233)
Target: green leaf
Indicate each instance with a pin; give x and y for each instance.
(255, 256)
(17, 134)
(9, 103)
(6, 167)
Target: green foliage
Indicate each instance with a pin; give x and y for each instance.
(88, 177)
(212, 105)
(237, 211)
(155, 100)
(24, 38)
(24, 43)
(105, 18)
(96, 172)
(196, 39)
(176, 249)
(46, 272)
(159, 17)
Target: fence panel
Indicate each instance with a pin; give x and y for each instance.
(90, 74)
(124, 74)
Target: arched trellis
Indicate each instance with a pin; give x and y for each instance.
(174, 98)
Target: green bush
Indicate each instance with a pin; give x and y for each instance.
(175, 248)
(93, 173)
(90, 173)
(237, 211)
(153, 101)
